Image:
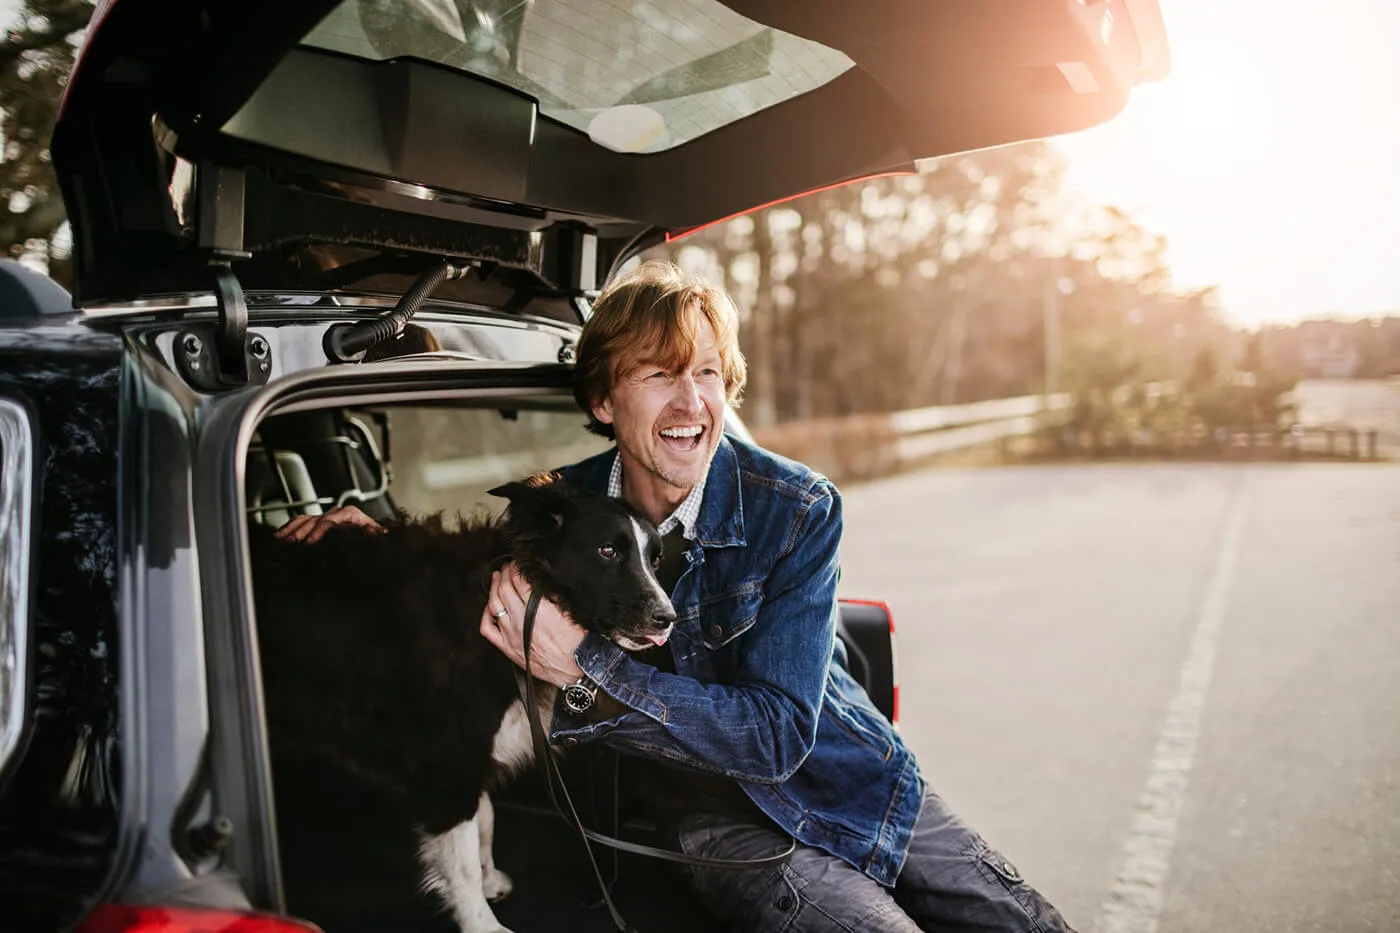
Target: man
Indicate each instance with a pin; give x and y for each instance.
(762, 733)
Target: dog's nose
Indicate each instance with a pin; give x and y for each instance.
(663, 616)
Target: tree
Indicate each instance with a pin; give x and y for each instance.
(36, 56)
(1204, 369)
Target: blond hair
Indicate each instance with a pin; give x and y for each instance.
(653, 315)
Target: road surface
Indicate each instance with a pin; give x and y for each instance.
(1169, 693)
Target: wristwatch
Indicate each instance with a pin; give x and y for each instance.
(578, 696)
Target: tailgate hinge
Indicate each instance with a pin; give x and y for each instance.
(223, 356)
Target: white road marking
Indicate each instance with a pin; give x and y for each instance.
(1134, 901)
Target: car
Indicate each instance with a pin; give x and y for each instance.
(335, 252)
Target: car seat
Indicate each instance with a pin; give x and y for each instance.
(310, 462)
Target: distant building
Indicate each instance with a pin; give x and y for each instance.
(1330, 349)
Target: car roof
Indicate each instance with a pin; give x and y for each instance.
(544, 135)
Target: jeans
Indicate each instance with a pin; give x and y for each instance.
(951, 882)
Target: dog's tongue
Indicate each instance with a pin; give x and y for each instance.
(658, 639)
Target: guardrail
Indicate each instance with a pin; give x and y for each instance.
(921, 433)
(1230, 442)
(858, 447)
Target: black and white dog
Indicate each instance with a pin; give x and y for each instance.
(373, 660)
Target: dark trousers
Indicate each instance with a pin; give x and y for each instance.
(952, 882)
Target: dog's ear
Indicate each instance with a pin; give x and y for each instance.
(541, 493)
(529, 486)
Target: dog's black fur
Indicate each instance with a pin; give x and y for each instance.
(372, 657)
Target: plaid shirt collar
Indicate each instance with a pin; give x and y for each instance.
(685, 514)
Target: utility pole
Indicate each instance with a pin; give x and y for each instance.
(1050, 309)
(957, 330)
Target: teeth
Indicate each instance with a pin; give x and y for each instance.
(692, 431)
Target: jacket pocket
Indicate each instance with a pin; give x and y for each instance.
(851, 721)
(726, 617)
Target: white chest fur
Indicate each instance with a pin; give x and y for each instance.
(513, 749)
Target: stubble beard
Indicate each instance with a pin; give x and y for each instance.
(657, 468)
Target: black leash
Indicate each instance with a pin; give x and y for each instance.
(552, 775)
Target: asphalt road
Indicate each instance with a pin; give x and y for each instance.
(1169, 693)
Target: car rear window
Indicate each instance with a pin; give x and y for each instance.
(637, 77)
(16, 495)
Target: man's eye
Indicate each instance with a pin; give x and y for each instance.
(607, 552)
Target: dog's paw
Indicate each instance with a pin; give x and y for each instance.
(497, 885)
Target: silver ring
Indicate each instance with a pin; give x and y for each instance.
(499, 613)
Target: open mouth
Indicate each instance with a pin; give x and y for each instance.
(641, 642)
(682, 437)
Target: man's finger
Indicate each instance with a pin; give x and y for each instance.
(491, 631)
(517, 583)
(506, 596)
(289, 530)
(488, 628)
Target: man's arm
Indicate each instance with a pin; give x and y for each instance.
(308, 529)
(762, 727)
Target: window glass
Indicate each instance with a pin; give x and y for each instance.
(637, 77)
(445, 459)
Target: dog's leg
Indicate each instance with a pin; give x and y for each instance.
(452, 865)
(495, 883)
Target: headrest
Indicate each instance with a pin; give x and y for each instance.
(26, 293)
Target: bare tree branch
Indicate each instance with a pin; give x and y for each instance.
(40, 221)
(60, 23)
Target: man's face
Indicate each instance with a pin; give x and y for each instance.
(668, 424)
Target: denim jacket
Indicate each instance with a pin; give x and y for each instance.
(762, 692)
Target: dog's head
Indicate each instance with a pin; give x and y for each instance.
(593, 556)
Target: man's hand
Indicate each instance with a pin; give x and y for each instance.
(308, 529)
(555, 637)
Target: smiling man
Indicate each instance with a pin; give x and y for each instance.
(752, 728)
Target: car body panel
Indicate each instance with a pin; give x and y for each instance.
(60, 813)
(200, 129)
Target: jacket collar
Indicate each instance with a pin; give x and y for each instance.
(721, 520)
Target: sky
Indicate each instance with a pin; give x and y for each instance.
(1269, 158)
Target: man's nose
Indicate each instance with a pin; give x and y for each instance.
(688, 394)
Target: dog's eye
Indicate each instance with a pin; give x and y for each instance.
(607, 552)
(656, 562)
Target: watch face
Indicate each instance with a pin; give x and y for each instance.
(578, 698)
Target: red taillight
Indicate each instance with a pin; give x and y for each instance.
(894, 670)
(129, 918)
(894, 653)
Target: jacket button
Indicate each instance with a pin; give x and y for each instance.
(716, 632)
(784, 903)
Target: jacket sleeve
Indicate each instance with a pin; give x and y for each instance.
(762, 727)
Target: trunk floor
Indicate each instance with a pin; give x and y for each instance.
(349, 866)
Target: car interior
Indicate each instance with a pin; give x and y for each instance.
(345, 865)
